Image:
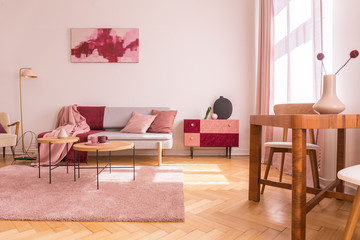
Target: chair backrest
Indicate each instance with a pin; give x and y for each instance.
(295, 108)
(5, 121)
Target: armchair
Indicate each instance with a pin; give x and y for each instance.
(8, 139)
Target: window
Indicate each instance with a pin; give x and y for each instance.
(297, 40)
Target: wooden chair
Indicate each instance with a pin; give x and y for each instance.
(8, 139)
(351, 175)
(286, 147)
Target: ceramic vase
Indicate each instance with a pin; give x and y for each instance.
(223, 108)
(62, 134)
(329, 103)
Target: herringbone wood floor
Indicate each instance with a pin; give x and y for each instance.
(217, 207)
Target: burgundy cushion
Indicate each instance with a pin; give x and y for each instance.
(163, 122)
(94, 116)
(40, 135)
(2, 129)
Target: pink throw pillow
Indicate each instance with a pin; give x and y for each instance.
(163, 122)
(138, 123)
(2, 129)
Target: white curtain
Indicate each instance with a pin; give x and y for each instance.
(297, 25)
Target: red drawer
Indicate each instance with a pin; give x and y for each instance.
(191, 126)
(219, 140)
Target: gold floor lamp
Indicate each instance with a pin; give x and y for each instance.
(26, 73)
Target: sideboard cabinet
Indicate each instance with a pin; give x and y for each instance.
(211, 133)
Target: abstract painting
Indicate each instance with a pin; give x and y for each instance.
(105, 45)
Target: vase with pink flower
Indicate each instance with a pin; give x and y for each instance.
(329, 103)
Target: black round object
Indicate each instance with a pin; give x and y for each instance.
(223, 108)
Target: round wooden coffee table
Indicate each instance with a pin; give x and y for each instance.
(55, 140)
(109, 146)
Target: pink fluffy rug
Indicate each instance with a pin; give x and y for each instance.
(157, 194)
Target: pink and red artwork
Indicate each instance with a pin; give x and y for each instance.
(105, 45)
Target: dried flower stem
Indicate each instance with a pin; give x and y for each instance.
(343, 65)
(322, 63)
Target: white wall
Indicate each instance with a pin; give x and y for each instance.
(191, 52)
(347, 38)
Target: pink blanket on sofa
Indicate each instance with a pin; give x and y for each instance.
(73, 123)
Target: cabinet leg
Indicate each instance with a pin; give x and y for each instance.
(229, 152)
(192, 152)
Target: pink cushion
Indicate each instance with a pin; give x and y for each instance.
(163, 122)
(2, 129)
(94, 116)
(138, 123)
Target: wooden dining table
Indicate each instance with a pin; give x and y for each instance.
(299, 124)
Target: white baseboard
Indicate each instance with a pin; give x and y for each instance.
(18, 151)
(205, 152)
(170, 152)
(181, 152)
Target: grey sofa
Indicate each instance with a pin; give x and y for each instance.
(115, 118)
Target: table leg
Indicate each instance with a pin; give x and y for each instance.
(74, 165)
(298, 223)
(39, 157)
(110, 160)
(255, 162)
(134, 161)
(341, 136)
(97, 169)
(50, 162)
(67, 157)
(78, 164)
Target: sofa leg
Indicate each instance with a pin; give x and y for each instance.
(160, 153)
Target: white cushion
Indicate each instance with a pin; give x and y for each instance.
(350, 174)
(7, 140)
(141, 141)
(141, 144)
(288, 145)
(117, 135)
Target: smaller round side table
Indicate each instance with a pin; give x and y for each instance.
(55, 140)
(107, 147)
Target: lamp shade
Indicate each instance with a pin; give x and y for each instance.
(29, 73)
